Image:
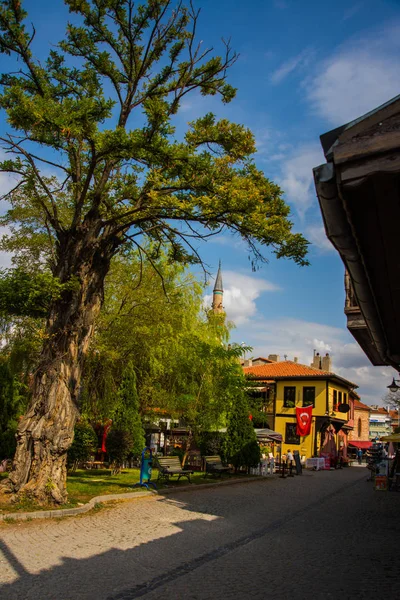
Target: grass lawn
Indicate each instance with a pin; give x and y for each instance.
(82, 485)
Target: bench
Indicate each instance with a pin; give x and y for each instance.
(168, 466)
(95, 464)
(214, 466)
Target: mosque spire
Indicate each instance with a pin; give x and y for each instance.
(218, 293)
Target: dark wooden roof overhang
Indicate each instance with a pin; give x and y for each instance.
(359, 194)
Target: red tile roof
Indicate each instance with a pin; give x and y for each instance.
(360, 406)
(287, 368)
(394, 414)
(380, 410)
(284, 368)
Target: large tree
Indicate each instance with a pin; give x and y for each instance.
(92, 143)
(183, 367)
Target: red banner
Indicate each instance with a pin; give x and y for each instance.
(303, 416)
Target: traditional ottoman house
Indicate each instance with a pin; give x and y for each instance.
(289, 385)
(359, 436)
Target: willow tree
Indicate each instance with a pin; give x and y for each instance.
(99, 167)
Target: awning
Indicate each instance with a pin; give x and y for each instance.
(394, 437)
(268, 434)
(362, 445)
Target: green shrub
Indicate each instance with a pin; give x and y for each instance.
(212, 443)
(178, 452)
(241, 445)
(84, 445)
(119, 447)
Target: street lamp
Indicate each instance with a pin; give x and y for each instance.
(393, 387)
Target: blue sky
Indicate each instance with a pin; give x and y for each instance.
(305, 67)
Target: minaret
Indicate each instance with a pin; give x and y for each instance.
(218, 293)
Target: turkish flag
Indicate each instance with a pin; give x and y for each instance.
(303, 416)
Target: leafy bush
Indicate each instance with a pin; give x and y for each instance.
(212, 443)
(180, 452)
(126, 416)
(119, 447)
(84, 445)
(260, 419)
(250, 454)
(241, 445)
(12, 405)
(8, 442)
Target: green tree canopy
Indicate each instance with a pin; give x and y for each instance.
(103, 102)
(100, 169)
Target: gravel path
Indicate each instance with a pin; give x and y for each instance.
(322, 535)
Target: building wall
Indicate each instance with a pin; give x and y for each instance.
(360, 416)
(379, 425)
(324, 398)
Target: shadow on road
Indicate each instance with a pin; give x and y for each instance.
(198, 542)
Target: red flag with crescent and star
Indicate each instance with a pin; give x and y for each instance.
(303, 416)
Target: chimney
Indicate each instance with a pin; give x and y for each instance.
(248, 363)
(295, 359)
(316, 363)
(274, 357)
(327, 363)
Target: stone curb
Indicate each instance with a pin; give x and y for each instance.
(70, 512)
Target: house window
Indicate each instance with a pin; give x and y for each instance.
(340, 398)
(289, 396)
(359, 428)
(334, 399)
(308, 396)
(345, 398)
(291, 436)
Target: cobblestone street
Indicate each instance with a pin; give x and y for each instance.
(322, 535)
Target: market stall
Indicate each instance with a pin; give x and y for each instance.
(274, 440)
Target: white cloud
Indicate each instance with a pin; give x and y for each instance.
(240, 295)
(317, 236)
(296, 63)
(352, 10)
(360, 76)
(296, 177)
(296, 337)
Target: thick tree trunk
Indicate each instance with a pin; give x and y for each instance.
(46, 431)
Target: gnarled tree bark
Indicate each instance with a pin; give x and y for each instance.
(46, 431)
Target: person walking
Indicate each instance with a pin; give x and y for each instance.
(359, 456)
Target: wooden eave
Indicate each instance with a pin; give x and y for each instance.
(359, 195)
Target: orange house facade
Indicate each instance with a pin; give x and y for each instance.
(289, 385)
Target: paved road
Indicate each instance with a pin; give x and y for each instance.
(322, 535)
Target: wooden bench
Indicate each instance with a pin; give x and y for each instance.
(214, 466)
(168, 466)
(95, 464)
